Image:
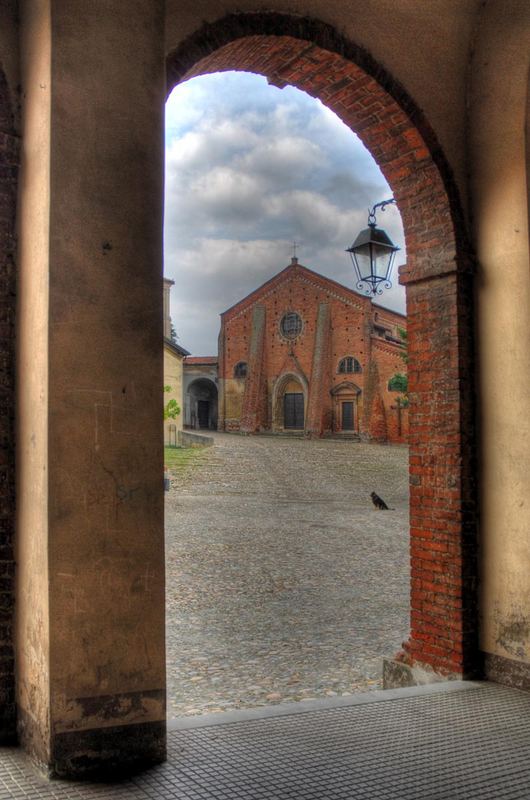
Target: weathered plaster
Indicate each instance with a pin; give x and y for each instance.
(91, 547)
(173, 370)
(498, 112)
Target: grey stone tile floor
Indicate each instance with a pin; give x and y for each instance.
(283, 582)
(441, 742)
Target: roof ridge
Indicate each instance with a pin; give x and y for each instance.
(259, 288)
(282, 274)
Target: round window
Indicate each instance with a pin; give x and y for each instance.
(291, 325)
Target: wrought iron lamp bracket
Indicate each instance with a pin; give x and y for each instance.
(382, 205)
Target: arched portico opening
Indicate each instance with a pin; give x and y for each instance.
(313, 57)
(201, 404)
(113, 494)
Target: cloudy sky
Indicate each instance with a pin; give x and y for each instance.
(249, 169)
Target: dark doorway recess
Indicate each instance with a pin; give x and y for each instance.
(293, 410)
(347, 416)
(203, 413)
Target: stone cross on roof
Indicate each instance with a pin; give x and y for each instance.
(294, 259)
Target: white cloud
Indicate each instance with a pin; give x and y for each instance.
(282, 160)
(249, 168)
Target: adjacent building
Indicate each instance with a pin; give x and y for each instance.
(174, 356)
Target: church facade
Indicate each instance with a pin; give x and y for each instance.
(304, 354)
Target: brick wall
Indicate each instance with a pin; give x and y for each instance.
(319, 403)
(442, 493)
(254, 410)
(315, 58)
(313, 356)
(388, 356)
(374, 408)
(9, 160)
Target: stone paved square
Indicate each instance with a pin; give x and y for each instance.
(283, 581)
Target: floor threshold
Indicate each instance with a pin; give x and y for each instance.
(323, 704)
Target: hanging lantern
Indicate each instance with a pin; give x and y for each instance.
(372, 255)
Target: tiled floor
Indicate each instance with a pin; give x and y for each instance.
(452, 741)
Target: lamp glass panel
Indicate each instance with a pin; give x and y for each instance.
(382, 258)
(362, 257)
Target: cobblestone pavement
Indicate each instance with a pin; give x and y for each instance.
(283, 581)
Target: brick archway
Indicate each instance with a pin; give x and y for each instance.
(202, 389)
(311, 56)
(9, 161)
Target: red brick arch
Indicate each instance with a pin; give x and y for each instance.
(313, 57)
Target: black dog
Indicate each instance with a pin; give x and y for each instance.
(379, 503)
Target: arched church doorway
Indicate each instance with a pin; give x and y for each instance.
(293, 407)
(289, 403)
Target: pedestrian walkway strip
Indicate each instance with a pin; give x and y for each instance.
(446, 742)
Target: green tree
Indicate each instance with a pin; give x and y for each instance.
(400, 382)
(171, 408)
(403, 335)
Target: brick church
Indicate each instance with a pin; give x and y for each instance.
(304, 353)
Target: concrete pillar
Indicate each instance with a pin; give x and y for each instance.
(9, 161)
(90, 594)
(499, 183)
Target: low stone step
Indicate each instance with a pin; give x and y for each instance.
(346, 437)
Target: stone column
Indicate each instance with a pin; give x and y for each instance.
(90, 596)
(9, 161)
(499, 109)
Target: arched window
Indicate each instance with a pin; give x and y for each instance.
(240, 369)
(349, 364)
(291, 325)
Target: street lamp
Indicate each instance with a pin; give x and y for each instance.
(372, 255)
